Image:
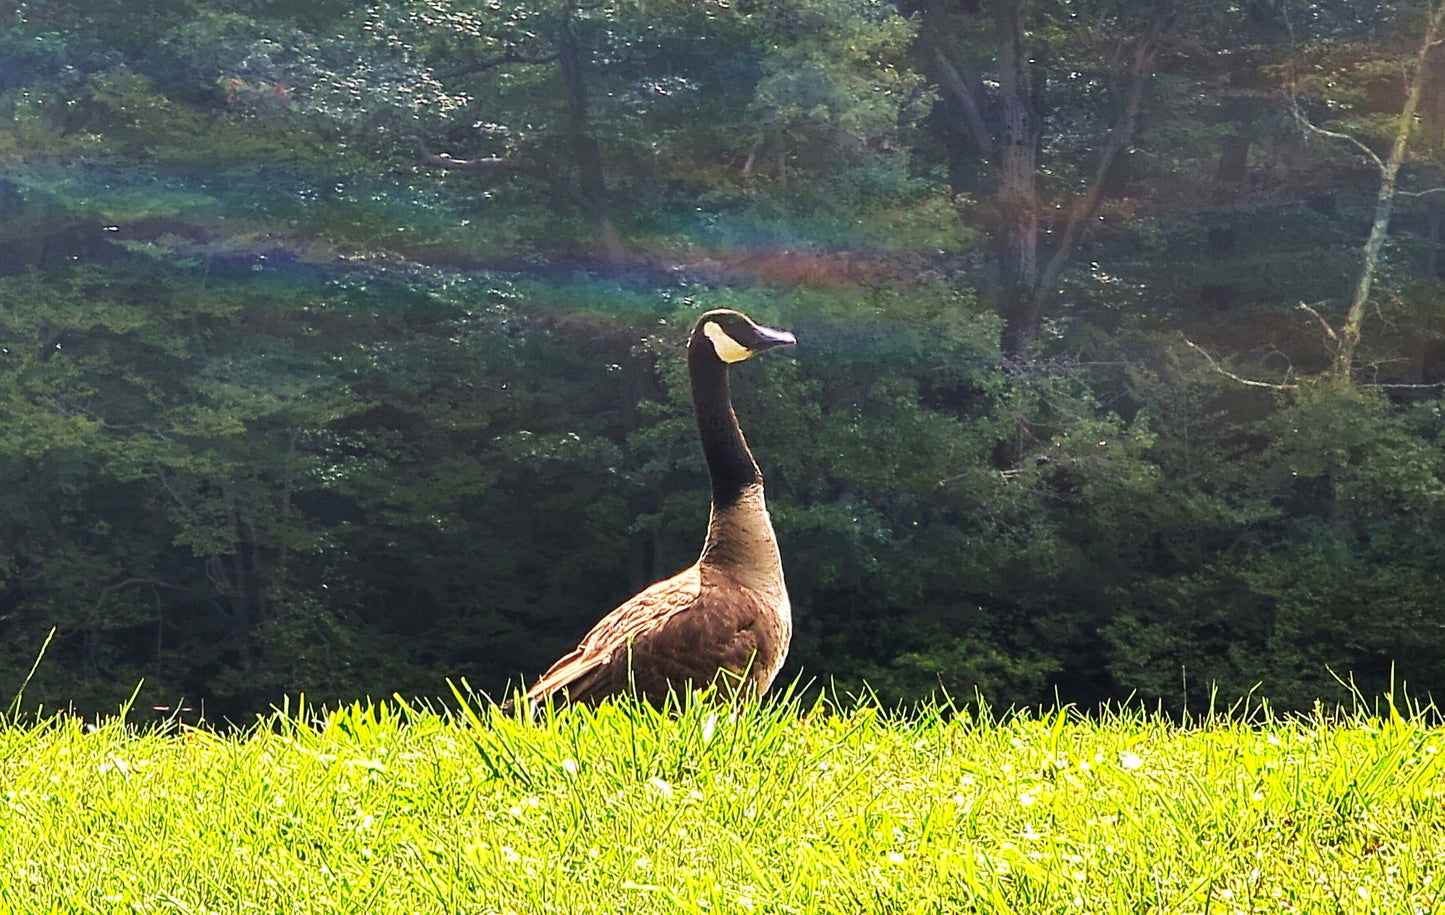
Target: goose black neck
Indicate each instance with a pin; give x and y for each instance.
(730, 464)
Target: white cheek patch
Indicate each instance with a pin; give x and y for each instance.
(727, 349)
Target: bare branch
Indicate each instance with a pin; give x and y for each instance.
(1323, 323)
(504, 165)
(485, 163)
(1230, 375)
(1304, 123)
(1424, 193)
(1437, 386)
(1308, 126)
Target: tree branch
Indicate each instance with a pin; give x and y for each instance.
(1230, 375)
(504, 165)
(1304, 123)
(1119, 137)
(1402, 386)
(962, 92)
(1308, 126)
(1323, 323)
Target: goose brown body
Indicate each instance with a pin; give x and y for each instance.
(729, 611)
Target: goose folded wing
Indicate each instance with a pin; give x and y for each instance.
(590, 671)
(720, 632)
(677, 634)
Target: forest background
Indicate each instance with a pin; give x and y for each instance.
(340, 344)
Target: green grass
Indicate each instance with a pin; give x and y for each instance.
(778, 808)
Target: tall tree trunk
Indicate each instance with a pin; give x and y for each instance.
(586, 151)
(1016, 155)
(1385, 200)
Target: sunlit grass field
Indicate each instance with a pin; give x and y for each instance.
(834, 807)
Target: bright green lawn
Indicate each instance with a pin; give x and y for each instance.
(769, 810)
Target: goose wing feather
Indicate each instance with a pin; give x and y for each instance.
(681, 630)
(648, 609)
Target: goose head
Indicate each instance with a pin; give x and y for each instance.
(733, 336)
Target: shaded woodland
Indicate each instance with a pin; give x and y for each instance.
(340, 345)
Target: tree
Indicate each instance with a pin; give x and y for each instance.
(997, 63)
(575, 169)
(1416, 75)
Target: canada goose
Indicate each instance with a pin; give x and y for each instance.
(728, 611)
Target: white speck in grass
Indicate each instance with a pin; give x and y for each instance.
(709, 725)
(895, 857)
(569, 766)
(1027, 799)
(1363, 892)
(1129, 760)
(660, 786)
(115, 763)
(1029, 833)
(966, 779)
